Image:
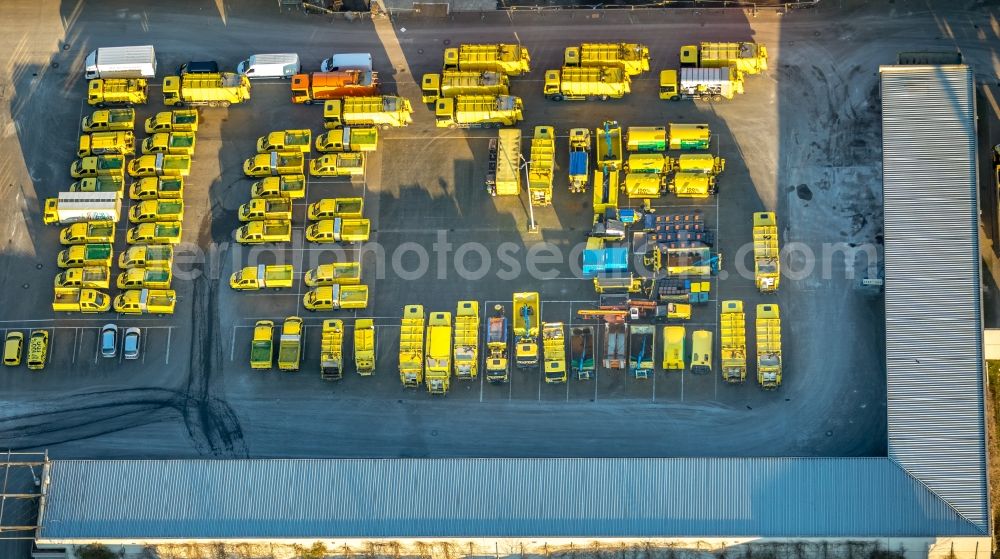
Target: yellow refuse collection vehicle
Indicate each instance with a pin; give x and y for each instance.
(768, 325)
(437, 372)
(290, 344)
(673, 348)
(331, 350)
(527, 322)
(286, 140)
(451, 83)
(584, 84)
(75, 299)
(497, 347)
(689, 136)
(271, 231)
(262, 209)
(364, 346)
(766, 263)
(633, 58)
(152, 188)
(344, 273)
(183, 120)
(579, 159)
(733, 342)
(274, 276)
(262, 345)
(175, 143)
(505, 179)
(146, 301)
(91, 277)
(98, 166)
(109, 120)
(160, 165)
(385, 111)
(214, 90)
(512, 60)
(748, 58)
(706, 84)
(554, 349)
(285, 186)
(274, 163)
(336, 297)
(468, 111)
(107, 143)
(411, 346)
(466, 347)
(88, 232)
(350, 138)
(542, 166)
(117, 92)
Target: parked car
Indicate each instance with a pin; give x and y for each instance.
(131, 343)
(109, 340)
(12, 347)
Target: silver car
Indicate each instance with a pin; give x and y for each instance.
(109, 340)
(131, 342)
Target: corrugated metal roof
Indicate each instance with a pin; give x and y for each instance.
(648, 497)
(934, 353)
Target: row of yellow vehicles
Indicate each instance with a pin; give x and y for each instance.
(290, 336)
(473, 87)
(219, 89)
(38, 349)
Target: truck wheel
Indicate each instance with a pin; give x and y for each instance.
(382, 126)
(675, 97)
(604, 97)
(308, 102)
(716, 98)
(225, 103)
(556, 97)
(213, 104)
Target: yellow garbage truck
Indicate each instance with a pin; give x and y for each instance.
(437, 372)
(215, 90)
(117, 91)
(469, 111)
(733, 342)
(527, 322)
(385, 111)
(584, 84)
(768, 325)
(509, 59)
(766, 262)
(632, 58)
(542, 166)
(331, 351)
(452, 83)
(749, 58)
(497, 347)
(411, 346)
(364, 346)
(554, 349)
(466, 346)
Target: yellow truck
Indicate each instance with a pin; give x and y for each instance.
(109, 120)
(106, 143)
(451, 83)
(275, 276)
(75, 299)
(343, 273)
(689, 136)
(79, 256)
(701, 352)
(673, 348)
(146, 301)
(632, 58)
(90, 277)
(542, 166)
(338, 230)
(437, 372)
(505, 179)
(156, 233)
(329, 208)
(385, 111)
(350, 138)
(527, 321)
(497, 347)
(149, 278)
(585, 84)
(38, 349)
(554, 349)
(99, 184)
(286, 140)
(152, 188)
(97, 166)
(292, 187)
(74, 207)
(148, 211)
(117, 92)
(274, 163)
(262, 345)
(88, 232)
(336, 297)
(579, 159)
(766, 262)
(258, 232)
(160, 165)
(465, 354)
(609, 145)
(706, 84)
(290, 344)
(733, 342)
(512, 60)
(364, 346)
(606, 186)
(411, 346)
(768, 325)
(142, 256)
(347, 164)
(263, 209)
(331, 350)
(748, 58)
(214, 90)
(469, 111)
(182, 120)
(646, 139)
(174, 143)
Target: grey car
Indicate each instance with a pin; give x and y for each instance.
(131, 342)
(109, 340)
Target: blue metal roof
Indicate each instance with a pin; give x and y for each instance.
(649, 497)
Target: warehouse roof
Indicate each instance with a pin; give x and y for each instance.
(933, 319)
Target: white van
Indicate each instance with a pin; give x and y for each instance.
(269, 66)
(121, 62)
(349, 61)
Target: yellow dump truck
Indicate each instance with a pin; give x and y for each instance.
(505, 180)
(331, 350)
(336, 297)
(148, 211)
(183, 120)
(512, 60)
(262, 209)
(452, 83)
(98, 166)
(106, 143)
(338, 230)
(542, 167)
(274, 163)
(343, 273)
(214, 90)
(411, 346)
(149, 278)
(292, 187)
(262, 345)
(584, 84)
(349, 164)
(673, 348)
(75, 299)
(466, 346)
(527, 322)
(290, 344)
(160, 165)
(689, 136)
(99, 184)
(152, 188)
(631, 57)
(579, 159)
(385, 111)
(497, 347)
(748, 58)
(554, 348)
(275, 276)
(117, 92)
(90, 277)
(174, 143)
(733, 341)
(768, 325)
(364, 346)
(286, 140)
(706, 84)
(766, 262)
(258, 232)
(142, 256)
(78, 256)
(646, 139)
(146, 301)
(468, 111)
(329, 208)
(88, 232)
(158, 233)
(437, 372)
(350, 138)
(109, 120)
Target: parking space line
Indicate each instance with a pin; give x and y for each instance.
(97, 349)
(166, 358)
(143, 344)
(76, 342)
(482, 358)
(232, 345)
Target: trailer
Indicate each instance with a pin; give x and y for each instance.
(452, 83)
(385, 111)
(466, 345)
(766, 261)
(497, 347)
(582, 345)
(646, 139)
(642, 350)
(512, 60)
(506, 178)
(364, 346)
(411, 346)
(554, 350)
(632, 58)
(585, 84)
(615, 344)
(471, 111)
(331, 350)
(689, 136)
(579, 159)
(541, 168)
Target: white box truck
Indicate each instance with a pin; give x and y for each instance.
(269, 66)
(350, 61)
(122, 62)
(74, 207)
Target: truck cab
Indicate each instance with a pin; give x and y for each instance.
(262, 345)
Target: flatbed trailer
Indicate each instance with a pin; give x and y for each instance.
(641, 350)
(582, 345)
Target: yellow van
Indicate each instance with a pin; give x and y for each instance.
(38, 349)
(12, 348)
(673, 348)
(701, 352)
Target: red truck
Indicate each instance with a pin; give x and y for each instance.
(320, 86)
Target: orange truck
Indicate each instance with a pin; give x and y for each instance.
(320, 86)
